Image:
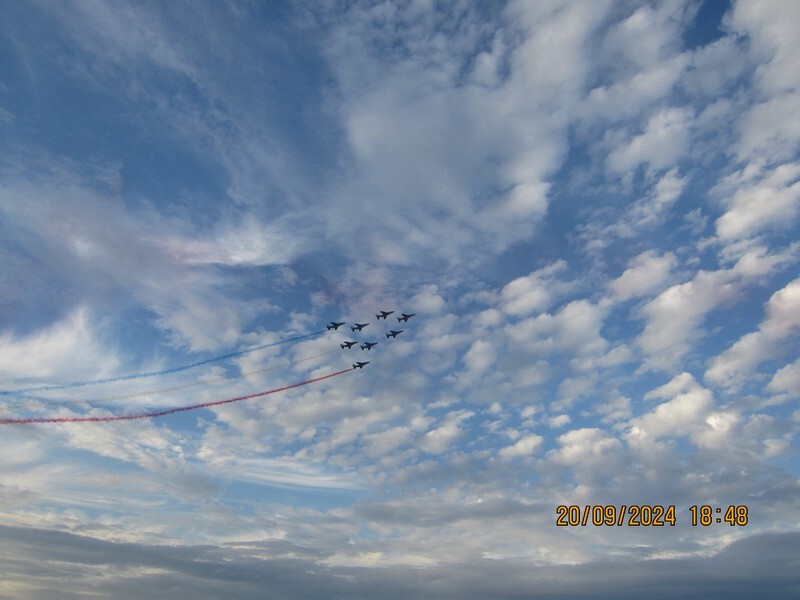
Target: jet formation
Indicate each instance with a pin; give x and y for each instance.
(364, 345)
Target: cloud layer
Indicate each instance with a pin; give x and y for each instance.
(591, 208)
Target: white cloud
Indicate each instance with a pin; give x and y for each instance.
(249, 243)
(715, 66)
(559, 420)
(67, 350)
(439, 440)
(683, 382)
(283, 471)
(721, 425)
(733, 367)
(575, 328)
(628, 97)
(145, 444)
(572, 388)
(675, 315)
(770, 27)
(664, 141)
(783, 312)
(387, 441)
(644, 214)
(474, 157)
(428, 300)
(684, 414)
(480, 357)
(652, 210)
(525, 446)
(645, 37)
(771, 129)
(488, 64)
(771, 202)
(534, 292)
(646, 273)
(584, 447)
(618, 408)
(787, 380)
(125, 261)
(641, 55)
(756, 261)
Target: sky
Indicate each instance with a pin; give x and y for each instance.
(591, 207)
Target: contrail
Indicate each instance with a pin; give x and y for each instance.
(77, 384)
(184, 386)
(161, 413)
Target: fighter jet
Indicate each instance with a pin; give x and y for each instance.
(394, 333)
(344, 345)
(405, 317)
(359, 365)
(384, 313)
(368, 345)
(334, 325)
(359, 326)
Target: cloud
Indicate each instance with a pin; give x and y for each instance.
(534, 292)
(294, 571)
(247, 244)
(473, 157)
(524, 446)
(439, 440)
(714, 67)
(428, 300)
(134, 257)
(661, 145)
(787, 380)
(121, 35)
(480, 357)
(734, 366)
(585, 449)
(630, 95)
(574, 328)
(69, 349)
(247, 171)
(647, 273)
(772, 201)
(770, 129)
(683, 414)
(666, 191)
(674, 315)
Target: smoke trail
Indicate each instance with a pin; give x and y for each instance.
(161, 413)
(179, 387)
(77, 384)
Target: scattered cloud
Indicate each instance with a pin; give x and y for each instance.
(647, 273)
(589, 206)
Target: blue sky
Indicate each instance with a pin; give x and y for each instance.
(592, 208)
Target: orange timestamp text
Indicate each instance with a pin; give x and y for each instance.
(647, 515)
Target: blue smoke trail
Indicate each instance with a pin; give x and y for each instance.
(77, 384)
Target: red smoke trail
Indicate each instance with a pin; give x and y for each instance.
(161, 413)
